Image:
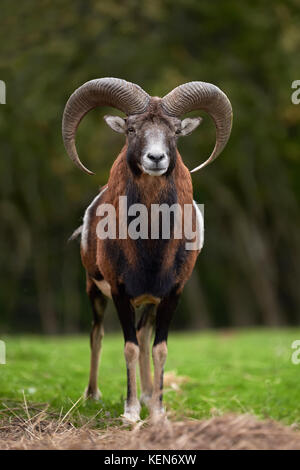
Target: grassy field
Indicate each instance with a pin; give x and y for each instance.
(229, 371)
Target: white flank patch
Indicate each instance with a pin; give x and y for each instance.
(200, 224)
(86, 221)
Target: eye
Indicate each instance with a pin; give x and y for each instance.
(130, 130)
(178, 131)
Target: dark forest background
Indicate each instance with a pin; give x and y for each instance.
(249, 270)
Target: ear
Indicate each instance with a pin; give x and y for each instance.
(116, 123)
(188, 125)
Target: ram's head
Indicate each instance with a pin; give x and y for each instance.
(152, 125)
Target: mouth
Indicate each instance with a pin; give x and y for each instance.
(156, 171)
(152, 167)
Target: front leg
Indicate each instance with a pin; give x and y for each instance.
(164, 315)
(144, 332)
(131, 351)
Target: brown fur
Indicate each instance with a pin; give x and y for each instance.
(140, 272)
(96, 260)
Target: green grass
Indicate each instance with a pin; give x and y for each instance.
(240, 371)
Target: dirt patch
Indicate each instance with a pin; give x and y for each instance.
(222, 432)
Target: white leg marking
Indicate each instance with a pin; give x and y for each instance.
(104, 286)
(132, 405)
(97, 333)
(159, 354)
(144, 338)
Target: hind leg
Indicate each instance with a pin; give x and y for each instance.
(164, 315)
(144, 332)
(98, 303)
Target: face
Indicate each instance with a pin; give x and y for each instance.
(152, 140)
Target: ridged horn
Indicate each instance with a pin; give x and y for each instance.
(120, 94)
(207, 97)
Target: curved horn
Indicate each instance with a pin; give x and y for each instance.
(201, 95)
(123, 95)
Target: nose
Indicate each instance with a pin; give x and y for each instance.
(155, 158)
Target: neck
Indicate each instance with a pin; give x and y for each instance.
(147, 189)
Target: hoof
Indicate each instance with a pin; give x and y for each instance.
(157, 414)
(131, 414)
(130, 418)
(92, 394)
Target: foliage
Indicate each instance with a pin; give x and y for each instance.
(248, 272)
